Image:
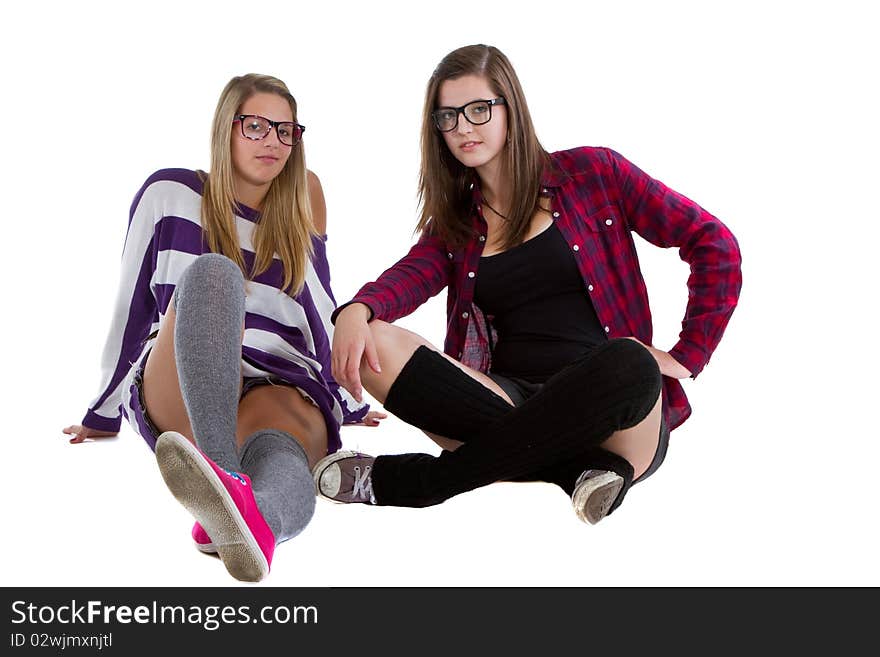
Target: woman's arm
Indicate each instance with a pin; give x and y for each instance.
(666, 218)
(414, 279)
(407, 284)
(134, 312)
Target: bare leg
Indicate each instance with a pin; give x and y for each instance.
(638, 444)
(276, 407)
(161, 386)
(283, 408)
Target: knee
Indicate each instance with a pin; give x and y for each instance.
(635, 364)
(213, 267)
(387, 337)
(211, 273)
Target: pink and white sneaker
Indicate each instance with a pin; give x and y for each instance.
(202, 541)
(223, 505)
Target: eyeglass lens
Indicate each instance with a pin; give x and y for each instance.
(256, 127)
(478, 113)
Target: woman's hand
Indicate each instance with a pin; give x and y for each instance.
(353, 341)
(668, 365)
(371, 419)
(81, 434)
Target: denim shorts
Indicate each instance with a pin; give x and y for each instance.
(144, 423)
(520, 390)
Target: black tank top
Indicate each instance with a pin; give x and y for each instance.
(541, 310)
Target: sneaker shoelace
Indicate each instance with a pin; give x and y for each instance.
(363, 484)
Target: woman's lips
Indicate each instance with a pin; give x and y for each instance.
(470, 145)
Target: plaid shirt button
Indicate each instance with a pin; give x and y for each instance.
(608, 222)
(576, 247)
(590, 287)
(471, 274)
(465, 314)
(555, 215)
(607, 330)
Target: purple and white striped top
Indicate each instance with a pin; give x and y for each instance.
(285, 337)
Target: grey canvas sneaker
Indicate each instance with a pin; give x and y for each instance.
(594, 493)
(344, 477)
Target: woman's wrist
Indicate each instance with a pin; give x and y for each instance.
(671, 367)
(362, 308)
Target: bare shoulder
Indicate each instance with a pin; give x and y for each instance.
(319, 205)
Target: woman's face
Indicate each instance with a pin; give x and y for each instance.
(473, 145)
(257, 162)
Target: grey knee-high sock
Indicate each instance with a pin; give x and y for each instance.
(209, 302)
(281, 479)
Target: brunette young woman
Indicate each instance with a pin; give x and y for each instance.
(548, 371)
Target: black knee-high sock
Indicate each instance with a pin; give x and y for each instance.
(612, 388)
(434, 395)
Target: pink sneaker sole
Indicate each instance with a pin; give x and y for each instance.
(202, 541)
(194, 483)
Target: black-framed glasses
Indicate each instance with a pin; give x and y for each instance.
(477, 112)
(257, 127)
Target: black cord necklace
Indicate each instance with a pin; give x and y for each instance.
(486, 203)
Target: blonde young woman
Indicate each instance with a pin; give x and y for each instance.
(219, 350)
(549, 372)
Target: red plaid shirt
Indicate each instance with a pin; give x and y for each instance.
(597, 198)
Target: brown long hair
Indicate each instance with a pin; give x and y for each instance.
(286, 225)
(444, 182)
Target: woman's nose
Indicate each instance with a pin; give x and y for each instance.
(271, 138)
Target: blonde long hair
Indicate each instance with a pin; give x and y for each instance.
(286, 225)
(444, 182)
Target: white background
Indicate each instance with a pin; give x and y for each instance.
(765, 113)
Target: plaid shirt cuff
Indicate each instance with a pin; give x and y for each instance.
(690, 356)
(345, 305)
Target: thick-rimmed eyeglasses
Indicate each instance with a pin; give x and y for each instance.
(257, 127)
(477, 112)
